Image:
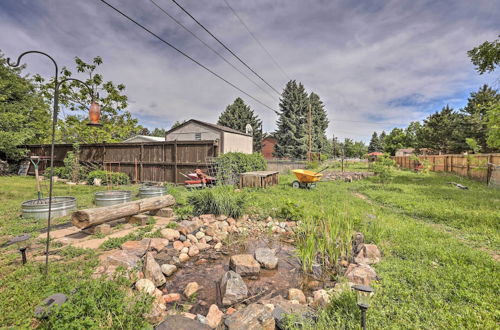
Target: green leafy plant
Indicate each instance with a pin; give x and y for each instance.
(231, 164)
(184, 212)
(290, 210)
(383, 168)
(107, 177)
(218, 200)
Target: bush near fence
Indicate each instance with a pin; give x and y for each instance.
(480, 167)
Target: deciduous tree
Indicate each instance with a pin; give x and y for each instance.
(24, 115)
(118, 124)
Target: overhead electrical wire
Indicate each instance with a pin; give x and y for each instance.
(257, 40)
(211, 48)
(186, 55)
(225, 47)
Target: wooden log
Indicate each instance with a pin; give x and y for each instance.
(91, 217)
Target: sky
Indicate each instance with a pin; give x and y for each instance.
(375, 64)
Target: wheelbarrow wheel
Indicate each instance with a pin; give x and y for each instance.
(296, 184)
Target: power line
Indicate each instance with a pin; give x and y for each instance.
(211, 48)
(367, 122)
(257, 40)
(186, 55)
(227, 48)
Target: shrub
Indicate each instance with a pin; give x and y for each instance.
(383, 168)
(231, 164)
(108, 177)
(218, 200)
(61, 172)
(312, 164)
(291, 210)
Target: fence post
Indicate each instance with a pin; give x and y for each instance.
(141, 154)
(489, 169)
(175, 161)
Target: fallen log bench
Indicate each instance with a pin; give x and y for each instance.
(96, 216)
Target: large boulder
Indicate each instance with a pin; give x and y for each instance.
(253, 317)
(233, 289)
(137, 248)
(284, 308)
(368, 254)
(152, 270)
(360, 274)
(179, 322)
(266, 258)
(244, 264)
(119, 258)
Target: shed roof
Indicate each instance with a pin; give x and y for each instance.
(146, 137)
(214, 126)
(376, 153)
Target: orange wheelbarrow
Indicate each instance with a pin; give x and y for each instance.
(306, 179)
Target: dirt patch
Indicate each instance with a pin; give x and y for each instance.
(345, 176)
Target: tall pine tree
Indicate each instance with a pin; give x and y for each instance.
(291, 133)
(374, 143)
(237, 116)
(319, 124)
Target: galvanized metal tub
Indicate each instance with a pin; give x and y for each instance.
(112, 197)
(39, 208)
(152, 191)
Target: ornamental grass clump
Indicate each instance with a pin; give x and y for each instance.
(218, 200)
(325, 239)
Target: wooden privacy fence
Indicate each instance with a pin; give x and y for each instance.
(481, 167)
(284, 165)
(142, 162)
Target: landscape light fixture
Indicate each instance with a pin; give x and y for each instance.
(363, 295)
(94, 116)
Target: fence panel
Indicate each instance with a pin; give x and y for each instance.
(142, 162)
(480, 167)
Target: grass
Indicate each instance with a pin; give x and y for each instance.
(435, 273)
(473, 213)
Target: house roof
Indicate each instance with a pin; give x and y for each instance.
(214, 126)
(146, 137)
(376, 153)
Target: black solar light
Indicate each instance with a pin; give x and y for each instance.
(363, 294)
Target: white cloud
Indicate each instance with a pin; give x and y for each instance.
(364, 59)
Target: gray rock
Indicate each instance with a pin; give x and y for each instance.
(43, 310)
(244, 264)
(254, 316)
(178, 322)
(118, 258)
(182, 238)
(283, 308)
(266, 257)
(152, 270)
(168, 269)
(233, 289)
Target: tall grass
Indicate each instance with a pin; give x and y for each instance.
(324, 239)
(218, 200)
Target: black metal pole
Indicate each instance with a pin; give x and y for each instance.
(23, 254)
(363, 317)
(57, 83)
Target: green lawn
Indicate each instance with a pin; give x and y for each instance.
(435, 273)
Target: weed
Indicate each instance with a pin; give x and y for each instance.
(290, 210)
(172, 225)
(218, 200)
(184, 212)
